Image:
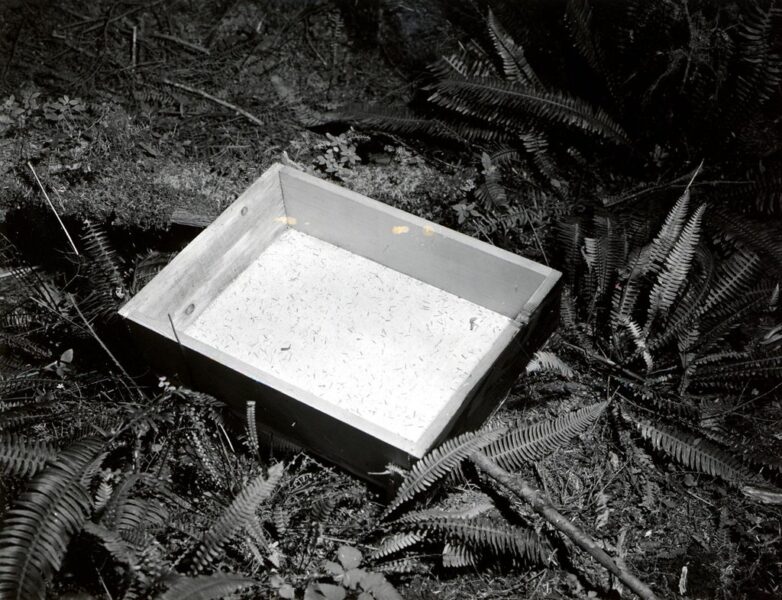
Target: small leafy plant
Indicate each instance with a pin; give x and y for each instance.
(351, 580)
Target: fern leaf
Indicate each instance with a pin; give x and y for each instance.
(457, 555)
(739, 371)
(21, 458)
(529, 443)
(492, 192)
(117, 499)
(663, 243)
(468, 63)
(205, 587)
(138, 513)
(427, 514)
(396, 543)
(438, 463)
(759, 67)
(107, 287)
(543, 361)
(503, 103)
(579, 19)
(500, 538)
(514, 64)
(36, 531)
(723, 319)
(407, 564)
(676, 270)
(570, 235)
(238, 513)
(113, 543)
(684, 319)
(733, 278)
(695, 452)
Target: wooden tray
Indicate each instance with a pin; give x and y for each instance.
(363, 333)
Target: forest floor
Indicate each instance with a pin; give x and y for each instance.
(131, 124)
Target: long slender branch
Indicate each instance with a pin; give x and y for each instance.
(54, 210)
(233, 107)
(100, 342)
(521, 489)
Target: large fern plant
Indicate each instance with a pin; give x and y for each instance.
(468, 528)
(684, 325)
(634, 88)
(95, 454)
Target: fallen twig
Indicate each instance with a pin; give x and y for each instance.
(521, 489)
(181, 42)
(233, 107)
(134, 41)
(59, 220)
(100, 341)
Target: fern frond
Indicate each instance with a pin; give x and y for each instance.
(241, 509)
(695, 452)
(722, 320)
(106, 284)
(147, 267)
(761, 237)
(676, 269)
(514, 63)
(738, 369)
(140, 513)
(26, 345)
(579, 19)
(117, 499)
(612, 251)
(427, 514)
(663, 243)
(684, 318)
(113, 543)
(37, 529)
(530, 443)
(438, 463)
(457, 555)
(22, 458)
(543, 361)
(491, 192)
(408, 564)
(500, 538)
(205, 587)
(570, 235)
(466, 64)
(759, 67)
(733, 279)
(396, 543)
(504, 102)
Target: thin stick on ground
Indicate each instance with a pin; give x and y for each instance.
(228, 105)
(521, 489)
(97, 338)
(59, 220)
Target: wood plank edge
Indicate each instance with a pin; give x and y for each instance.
(407, 218)
(289, 389)
(184, 257)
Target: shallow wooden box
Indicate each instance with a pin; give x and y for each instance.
(369, 353)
